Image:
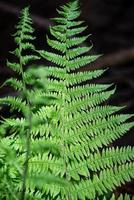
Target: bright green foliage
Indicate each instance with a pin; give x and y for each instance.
(83, 126)
(19, 136)
(64, 119)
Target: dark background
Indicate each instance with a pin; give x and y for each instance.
(111, 23)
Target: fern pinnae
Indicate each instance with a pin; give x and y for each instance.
(77, 52)
(14, 66)
(15, 103)
(81, 77)
(15, 83)
(76, 41)
(81, 91)
(76, 31)
(56, 45)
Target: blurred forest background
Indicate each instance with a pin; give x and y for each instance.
(111, 23)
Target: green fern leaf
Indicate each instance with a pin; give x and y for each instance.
(83, 126)
(16, 84)
(79, 62)
(77, 52)
(76, 41)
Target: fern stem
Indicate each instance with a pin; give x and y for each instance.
(29, 119)
(25, 172)
(63, 118)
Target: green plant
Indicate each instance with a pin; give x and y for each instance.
(62, 137)
(20, 139)
(83, 125)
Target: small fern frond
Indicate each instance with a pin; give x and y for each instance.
(55, 58)
(71, 42)
(77, 52)
(15, 123)
(20, 127)
(76, 31)
(80, 62)
(41, 179)
(14, 66)
(88, 101)
(28, 58)
(15, 103)
(57, 45)
(23, 38)
(15, 83)
(81, 91)
(79, 77)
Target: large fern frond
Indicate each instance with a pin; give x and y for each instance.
(83, 126)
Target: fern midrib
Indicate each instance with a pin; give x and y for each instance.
(63, 111)
(29, 118)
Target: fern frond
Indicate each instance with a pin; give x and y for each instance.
(25, 38)
(54, 85)
(16, 103)
(79, 77)
(18, 126)
(118, 175)
(14, 66)
(74, 23)
(98, 161)
(60, 20)
(15, 123)
(38, 181)
(76, 41)
(88, 101)
(60, 36)
(95, 114)
(83, 127)
(26, 59)
(80, 61)
(80, 91)
(59, 28)
(101, 125)
(77, 52)
(27, 46)
(109, 180)
(57, 45)
(55, 58)
(39, 145)
(75, 31)
(55, 72)
(73, 78)
(73, 15)
(15, 83)
(46, 164)
(111, 157)
(99, 141)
